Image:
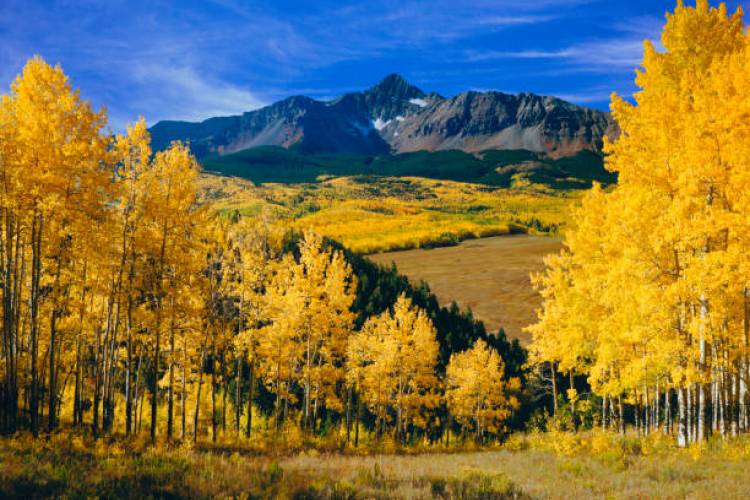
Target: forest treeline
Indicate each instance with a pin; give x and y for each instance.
(124, 294)
(650, 298)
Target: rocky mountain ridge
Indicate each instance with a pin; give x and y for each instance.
(397, 117)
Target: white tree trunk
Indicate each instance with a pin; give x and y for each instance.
(682, 427)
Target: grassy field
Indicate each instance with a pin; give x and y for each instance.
(592, 465)
(490, 276)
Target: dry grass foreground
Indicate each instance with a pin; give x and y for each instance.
(489, 275)
(552, 465)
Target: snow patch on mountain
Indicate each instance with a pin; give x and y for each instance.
(379, 124)
(419, 102)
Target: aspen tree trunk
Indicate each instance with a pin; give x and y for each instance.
(213, 392)
(657, 415)
(36, 250)
(51, 424)
(314, 412)
(682, 420)
(78, 389)
(170, 394)
(238, 396)
(726, 393)
(573, 403)
(64, 376)
(348, 413)
(138, 391)
(398, 411)
(17, 298)
(621, 419)
(159, 305)
(701, 400)
(198, 397)
(637, 414)
(735, 413)
(286, 403)
(359, 417)
(277, 401)
(700, 386)
(668, 411)
(109, 392)
(10, 272)
(77, 397)
(104, 369)
(646, 412)
(723, 393)
(604, 413)
(449, 425)
(308, 360)
(714, 405)
(377, 425)
(97, 381)
(183, 396)
(554, 389)
(129, 366)
(140, 409)
(250, 390)
(155, 384)
(689, 411)
(224, 407)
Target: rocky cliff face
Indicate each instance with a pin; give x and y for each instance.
(394, 117)
(474, 121)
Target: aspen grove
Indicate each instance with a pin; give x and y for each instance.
(650, 298)
(126, 297)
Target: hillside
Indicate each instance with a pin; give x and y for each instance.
(377, 214)
(494, 167)
(396, 117)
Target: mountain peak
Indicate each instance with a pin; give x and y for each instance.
(393, 79)
(395, 85)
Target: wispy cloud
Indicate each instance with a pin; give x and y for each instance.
(186, 95)
(591, 95)
(624, 51)
(514, 20)
(600, 55)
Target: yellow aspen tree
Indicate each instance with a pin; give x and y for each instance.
(476, 392)
(170, 204)
(133, 157)
(256, 247)
(278, 351)
(398, 380)
(324, 281)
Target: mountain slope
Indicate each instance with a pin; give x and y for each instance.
(395, 117)
(494, 168)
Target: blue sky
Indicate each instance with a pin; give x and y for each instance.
(193, 60)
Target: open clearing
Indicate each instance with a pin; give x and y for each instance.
(532, 474)
(488, 275)
(71, 468)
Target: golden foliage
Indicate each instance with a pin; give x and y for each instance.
(652, 290)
